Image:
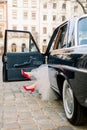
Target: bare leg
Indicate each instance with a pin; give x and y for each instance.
(31, 88)
(29, 73)
(34, 85)
(26, 74)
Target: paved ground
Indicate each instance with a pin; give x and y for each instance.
(20, 110)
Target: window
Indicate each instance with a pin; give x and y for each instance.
(45, 5)
(44, 41)
(54, 5)
(63, 18)
(44, 47)
(1, 14)
(23, 47)
(33, 29)
(54, 17)
(14, 3)
(25, 15)
(14, 27)
(44, 30)
(82, 31)
(64, 6)
(34, 3)
(44, 17)
(1, 34)
(75, 8)
(14, 14)
(61, 38)
(1, 17)
(25, 28)
(23, 42)
(25, 3)
(33, 16)
(13, 47)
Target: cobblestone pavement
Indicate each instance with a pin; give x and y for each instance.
(20, 110)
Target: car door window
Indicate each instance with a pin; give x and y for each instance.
(20, 42)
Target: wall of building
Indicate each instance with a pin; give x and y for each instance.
(40, 17)
(3, 22)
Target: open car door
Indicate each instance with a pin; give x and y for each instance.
(20, 52)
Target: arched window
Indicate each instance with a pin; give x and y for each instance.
(13, 47)
(23, 47)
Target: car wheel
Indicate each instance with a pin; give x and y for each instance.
(73, 110)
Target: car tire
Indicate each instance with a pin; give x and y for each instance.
(73, 110)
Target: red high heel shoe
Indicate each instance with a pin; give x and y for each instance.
(25, 75)
(29, 89)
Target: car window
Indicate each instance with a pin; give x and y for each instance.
(71, 33)
(61, 38)
(82, 31)
(19, 42)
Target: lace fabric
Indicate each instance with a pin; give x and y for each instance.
(46, 78)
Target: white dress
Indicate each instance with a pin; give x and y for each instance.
(46, 77)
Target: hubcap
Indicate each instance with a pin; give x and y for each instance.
(68, 101)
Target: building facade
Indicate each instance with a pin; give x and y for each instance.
(3, 22)
(40, 17)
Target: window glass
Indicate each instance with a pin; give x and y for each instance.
(1, 14)
(64, 6)
(34, 3)
(14, 3)
(23, 47)
(60, 41)
(25, 28)
(33, 16)
(14, 27)
(20, 42)
(25, 15)
(1, 34)
(54, 17)
(54, 5)
(45, 5)
(82, 31)
(13, 47)
(25, 3)
(44, 17)
(71, 33)
(44, 30)
(14, 14)
(63, 18)
(75, 8)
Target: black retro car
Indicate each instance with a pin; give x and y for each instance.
(66, 52)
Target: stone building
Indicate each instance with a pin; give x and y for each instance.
(3, 22)
(40, 17)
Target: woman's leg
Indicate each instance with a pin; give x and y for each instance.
(34, 85)
(26, 74)
(29, 73)
(31, 87)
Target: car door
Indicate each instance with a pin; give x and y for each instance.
(20, 52)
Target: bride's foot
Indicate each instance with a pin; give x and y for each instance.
(29, 89)
(25, 74)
